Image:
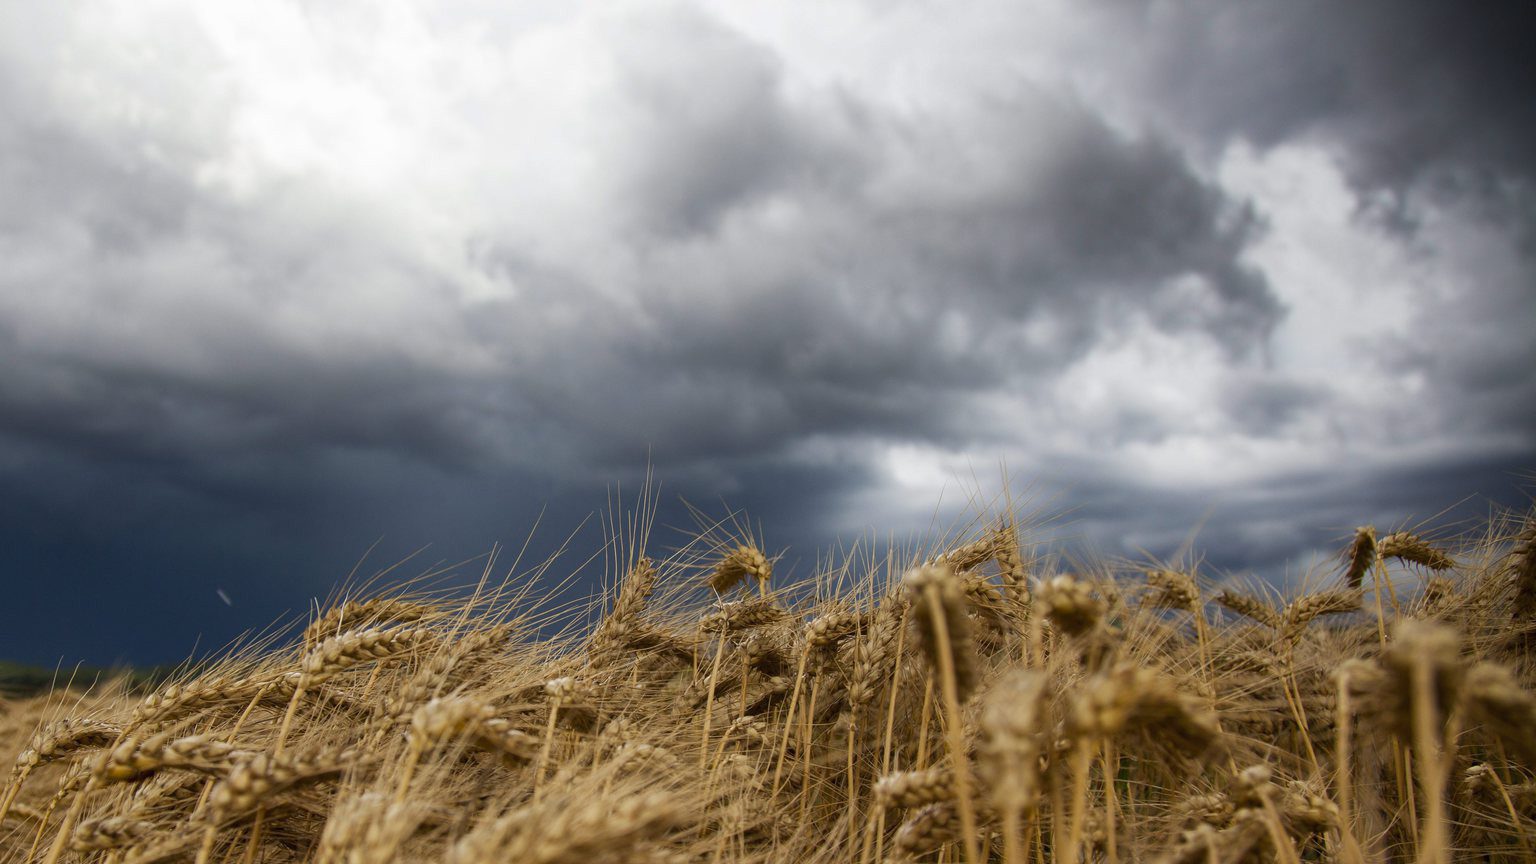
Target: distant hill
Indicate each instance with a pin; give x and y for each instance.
(17, 679)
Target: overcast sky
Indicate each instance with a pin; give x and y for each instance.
(279, 279)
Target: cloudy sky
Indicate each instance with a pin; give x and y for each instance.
(281, 279)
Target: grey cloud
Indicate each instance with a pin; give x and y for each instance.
(704, 125)
(1427, 107)
(1423, 96)
(918, 249)
(1268, 406)
(779, 280)
(884, 313)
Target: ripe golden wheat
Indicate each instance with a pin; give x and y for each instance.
(962, 703)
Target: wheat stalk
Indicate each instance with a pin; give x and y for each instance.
(945, 639)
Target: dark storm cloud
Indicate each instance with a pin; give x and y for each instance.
(1288, 531)
(914, 240)
(241, 341)
(983, 247)
(1419, 96)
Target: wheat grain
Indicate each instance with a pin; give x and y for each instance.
(160, 847)
(915, 788)
(874, 653)
(96, 835)
(742, 615)
(134, 758)
(1439, 595)
(1506, 710)
(367, 829)
(826, 630)
(1093, 734)
(744, 562)
(1011, 720)
(1410, 547)
(356, 615)
(1175, 590)
(1128, 698)
(628, 609)
(969, 556)
(575, 833)
(1520, 565)
(935, 593)
(1250, 607)
(427, 681)
(65, 738)
(1304, 610)
(1420, 646)
(1070, 605)
(1236, 843)
(177, 700)
(1211, 808)
(340, 653)
(1014, 572)
(1009, 751)
(926, 830)
(257, 777)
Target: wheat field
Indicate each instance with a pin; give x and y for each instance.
(974, 701)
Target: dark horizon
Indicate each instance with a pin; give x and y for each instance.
(283, 585)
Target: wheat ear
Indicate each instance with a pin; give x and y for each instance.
(1506, 710)
(255, 779)
(357, 614)
(744, 562)
(57, 740)
(1410, 547)
(1360, 557)
(915, 788)
(1304, 610)
(1070, 605)
(1520, 566)
(1250, 607)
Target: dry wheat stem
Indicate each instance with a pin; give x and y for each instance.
(947, 652)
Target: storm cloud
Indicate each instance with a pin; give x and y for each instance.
(282, 279)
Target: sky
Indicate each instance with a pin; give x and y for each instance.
(290, 290)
